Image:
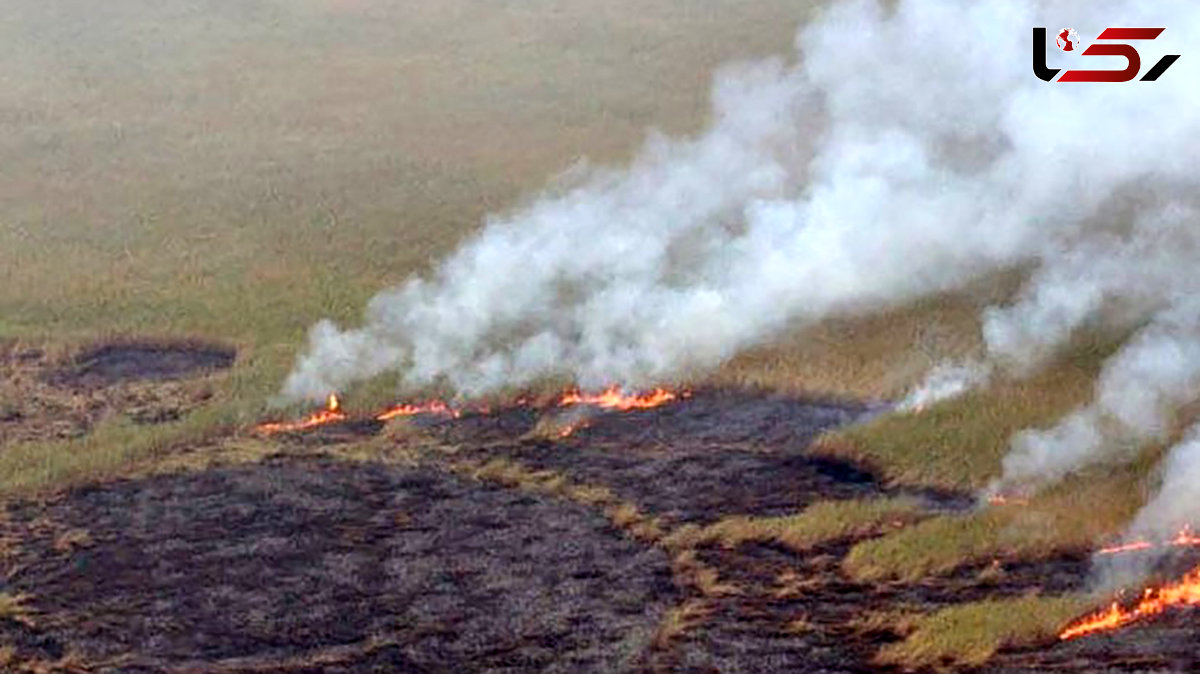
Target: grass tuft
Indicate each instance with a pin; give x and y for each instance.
(970, 634)
(819, 523)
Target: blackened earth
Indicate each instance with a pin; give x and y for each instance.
(284, 563)
(307, 562)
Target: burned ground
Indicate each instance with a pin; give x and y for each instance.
(47, 397)
(1166, 644)
(308, 561)
(108, 364)
(244, 567)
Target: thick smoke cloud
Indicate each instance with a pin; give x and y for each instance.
(904, 151)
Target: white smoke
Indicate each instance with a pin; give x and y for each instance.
(1138, 392)
(943, 382)
(1173, 510)
(1177, 504)
(906, 151)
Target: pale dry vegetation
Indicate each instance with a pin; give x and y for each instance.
(281, 164)
(818, 523)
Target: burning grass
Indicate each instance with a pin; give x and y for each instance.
(215, 243)
(1154, 601)
(258, 262)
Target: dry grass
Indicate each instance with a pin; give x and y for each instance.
(16, 607)
(68, 541)
(679, 619)
(625, 516)
(368, 144)
(689, 571)
(819, 523)
(878, 354)
(969, 634)
(1073, 516)
(899, 621)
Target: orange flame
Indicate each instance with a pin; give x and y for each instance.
(613, 399)
(1184, 539)
(1185, 592)
(1126, 547)
(412, 409)
(567, 430)
(331, 413)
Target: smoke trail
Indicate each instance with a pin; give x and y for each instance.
(945, 381)
(1177, 504)
(1175, 508)
(1139, 389)
(905, 151)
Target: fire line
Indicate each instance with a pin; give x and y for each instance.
(1154, 601)
(331, 413)
(610, 399)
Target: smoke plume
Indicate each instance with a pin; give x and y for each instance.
(901, 151)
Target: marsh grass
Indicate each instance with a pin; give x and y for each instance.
(246, 224)
(818, 523)
(959, 443)
(970, 634)
(1071, 517)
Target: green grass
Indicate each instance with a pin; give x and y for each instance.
(959, 443)
(1073, 516)
(970, 634)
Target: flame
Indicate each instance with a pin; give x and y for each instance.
(567, 430)
(331, 413)
(412, 409)
(1001, 500)
(613, 399)
(1184, 592)
(1184, 539)
(1126, 547)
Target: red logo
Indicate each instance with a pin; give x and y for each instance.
(1068, 40)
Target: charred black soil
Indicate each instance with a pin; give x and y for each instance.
(311, 562)
(108, 364)
(283, 563)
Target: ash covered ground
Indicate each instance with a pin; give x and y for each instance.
(305, 560)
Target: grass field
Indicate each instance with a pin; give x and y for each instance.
(270, 166)
(275, 166)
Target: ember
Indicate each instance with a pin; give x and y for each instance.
(569, 429)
